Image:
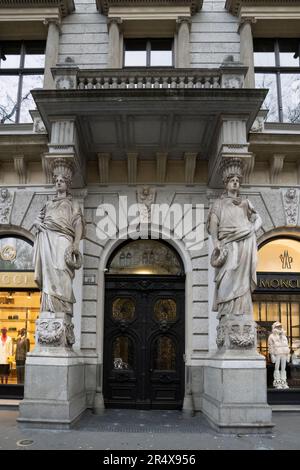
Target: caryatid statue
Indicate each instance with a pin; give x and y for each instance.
(232, 224)
(59, 228)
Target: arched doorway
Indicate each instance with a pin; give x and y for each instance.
(277, 298)
(144, 327)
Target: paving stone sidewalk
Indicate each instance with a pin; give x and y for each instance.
(146, 430)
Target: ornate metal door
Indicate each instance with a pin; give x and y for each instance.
(144, 342)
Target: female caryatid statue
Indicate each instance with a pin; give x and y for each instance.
(232, 223)
(60, 227)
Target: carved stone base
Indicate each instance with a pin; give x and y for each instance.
(237, 334)
(54, 330)
(235, 393)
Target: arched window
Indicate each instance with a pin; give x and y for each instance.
(145, 257)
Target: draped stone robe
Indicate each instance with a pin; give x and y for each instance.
(236, 279)
(57, 222)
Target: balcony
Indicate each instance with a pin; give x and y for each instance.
(229, 75)
(145, 112)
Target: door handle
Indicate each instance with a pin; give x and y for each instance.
(150, 370)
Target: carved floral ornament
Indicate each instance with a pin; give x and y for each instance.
(65, 6)
(233, 6)
(104, 5)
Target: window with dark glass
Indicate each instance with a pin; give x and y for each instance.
(277, 67)
(148, 52)
(21, 70)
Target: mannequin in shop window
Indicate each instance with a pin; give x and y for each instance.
(6, 350)
(280, 354)
(22, 348)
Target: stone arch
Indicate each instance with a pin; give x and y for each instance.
(108, 249)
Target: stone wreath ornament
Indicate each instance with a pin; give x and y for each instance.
(73, 258)
(219, 257)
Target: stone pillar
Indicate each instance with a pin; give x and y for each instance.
(114, 53)
(183, 59)
(247, 57)
(51, 54)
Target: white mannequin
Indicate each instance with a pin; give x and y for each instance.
(280, 354)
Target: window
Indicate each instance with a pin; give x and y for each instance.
(148, 52)
(277, 67)
(21, 70)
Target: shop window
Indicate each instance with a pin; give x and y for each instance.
(277, 298)
(18, 313)
(15, 254)
(277, 67)
(21, 70)
(148, 52)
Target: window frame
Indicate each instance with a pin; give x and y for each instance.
(277, 70)
(148, 50)
(21, 71)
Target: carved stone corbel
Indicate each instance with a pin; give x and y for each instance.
(21, 168)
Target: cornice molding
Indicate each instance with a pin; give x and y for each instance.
(65, 6)
(104, 5)
(234, 6)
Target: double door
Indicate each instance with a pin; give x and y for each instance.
(144, 342)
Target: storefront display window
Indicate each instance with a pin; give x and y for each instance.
(19, 309)
(277, 298)
(18, 313)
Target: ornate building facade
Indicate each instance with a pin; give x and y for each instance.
(145, 100)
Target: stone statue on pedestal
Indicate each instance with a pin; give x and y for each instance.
(232, 223)
(280, 354)
(60, 227)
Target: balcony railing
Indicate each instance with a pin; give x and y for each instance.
(224, 77)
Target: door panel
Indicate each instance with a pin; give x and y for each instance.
(144, 342)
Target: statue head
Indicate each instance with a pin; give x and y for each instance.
(4, 193)
(232, 169)
(62, 171)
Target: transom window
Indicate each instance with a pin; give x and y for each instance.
(148, 52)
(21, 70)
(277, 67)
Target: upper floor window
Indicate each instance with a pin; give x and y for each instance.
(277, 67)
(21, 70)
(148, 52)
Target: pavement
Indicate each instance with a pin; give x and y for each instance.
(134, 430)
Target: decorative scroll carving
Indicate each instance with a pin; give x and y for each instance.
(6, 204)
(290, 198)
(236, 335)
(55, 332)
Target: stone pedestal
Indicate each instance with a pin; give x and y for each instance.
(235, 393)
(54, 391)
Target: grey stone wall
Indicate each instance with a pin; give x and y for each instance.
(214, 36)
(84, 36)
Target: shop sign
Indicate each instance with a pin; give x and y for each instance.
(279, 282)
(17, 280)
